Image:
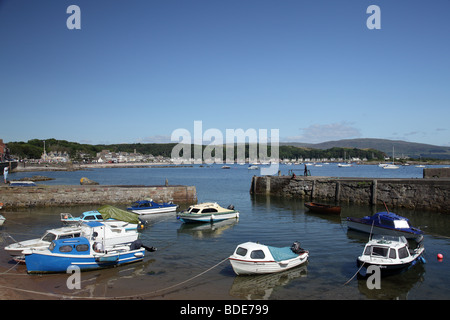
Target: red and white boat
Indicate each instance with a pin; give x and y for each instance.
(256, 258)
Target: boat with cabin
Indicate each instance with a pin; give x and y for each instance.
(255, 258)
(208, 212)
(93, 215)
(109, 233)
(84, 253)
(386, 223)
(390, 253)
(148, 206)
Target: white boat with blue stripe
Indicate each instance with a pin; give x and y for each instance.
(64, 253)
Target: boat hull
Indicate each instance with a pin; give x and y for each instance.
(193, 217)
(16, 249)
(390, 268)
(249, 267)
(357, 225)
(47, 262)
(322, 208)
(154, 210)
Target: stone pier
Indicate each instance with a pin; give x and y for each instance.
(428, 194)
(47, 195)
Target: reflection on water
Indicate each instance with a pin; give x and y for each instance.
(191, 261)
(257, 287)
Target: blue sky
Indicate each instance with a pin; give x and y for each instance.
(138, 70)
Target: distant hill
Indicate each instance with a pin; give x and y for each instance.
(402, 148)
(361, 148)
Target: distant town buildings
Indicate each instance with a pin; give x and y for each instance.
(106, 156)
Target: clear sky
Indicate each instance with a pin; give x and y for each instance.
(137, 70)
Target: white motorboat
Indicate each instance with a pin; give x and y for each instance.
(208, 212)
(2, 220)
(256, 258)
(391, 254)
(390, 166)
(344, 165)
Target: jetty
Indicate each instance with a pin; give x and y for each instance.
(432, 192)
(71, 195)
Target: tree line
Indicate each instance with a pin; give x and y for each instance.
(33, 149)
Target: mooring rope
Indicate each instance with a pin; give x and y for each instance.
(354, 274)
(66, 296)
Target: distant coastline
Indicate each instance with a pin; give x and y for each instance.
(74, 167)
(30, 167)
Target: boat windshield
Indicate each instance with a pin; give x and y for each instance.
(241, 251)
(401, 224)
(388, 239)
(49, 237)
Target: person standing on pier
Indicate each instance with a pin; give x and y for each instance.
(5, 173)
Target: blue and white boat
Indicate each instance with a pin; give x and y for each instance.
(108, 214)
(385, 223)
(94, 215)
(110, 233)
(64, 253)
(148, 206)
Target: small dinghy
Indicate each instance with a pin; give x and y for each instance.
(256, 258)
(322, 208)
(391, 254)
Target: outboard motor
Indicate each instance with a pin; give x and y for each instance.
(296, 248)
(136, 244)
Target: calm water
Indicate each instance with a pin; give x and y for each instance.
(176, 270)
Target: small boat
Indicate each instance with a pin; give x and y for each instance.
(256, 258)
(253, 167)
(109, 233)
(148, 206)
(387, 223)
(390, 166)
(68, 219)
(208, 212)
(80, 252)
(2, 219)
(344, 165)
(391, 254)
(103, 214)
(226, 167)
(322, 208)
(22, 184)
(16, 248)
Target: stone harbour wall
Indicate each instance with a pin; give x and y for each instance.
(428, 194)
(44, 195)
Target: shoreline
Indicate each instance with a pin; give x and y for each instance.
(76, 167)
